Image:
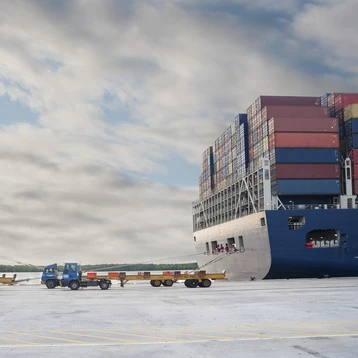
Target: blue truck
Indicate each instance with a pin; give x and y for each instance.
(71, 277)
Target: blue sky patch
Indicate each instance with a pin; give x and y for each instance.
(15, 112)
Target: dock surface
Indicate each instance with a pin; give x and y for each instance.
(285, 318)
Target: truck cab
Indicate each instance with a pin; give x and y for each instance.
(71, 277)
(71, 272)
(50, 276)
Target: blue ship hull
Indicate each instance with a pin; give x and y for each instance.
(274, 251)
(292, 259)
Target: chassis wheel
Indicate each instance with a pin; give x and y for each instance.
(205, 283)
(104, 285)
(74, 285)
(50, 284)
(155, 283)
(191, 283)
(168, 283)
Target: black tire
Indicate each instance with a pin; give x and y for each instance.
(104, 285)
(155, 283)
(50, 284)
(191, 283)
(168, 283)
(205, 282)
(74, 285)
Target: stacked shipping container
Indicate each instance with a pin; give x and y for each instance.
(229, 158)
(302, 137)
(230, 153)
(242, 155)
(344, 106)
(206, 183)
(350, 116)
(287, 125)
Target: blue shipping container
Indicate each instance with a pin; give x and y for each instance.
(351, 126)
(341, 131)
(240, 118)
(324, 99)
(352, 141)
(332, 112)
(306, 187)
(306, 155)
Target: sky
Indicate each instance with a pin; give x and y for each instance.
(107, 106)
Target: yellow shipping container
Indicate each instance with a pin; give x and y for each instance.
(265, 144)
(351, 111)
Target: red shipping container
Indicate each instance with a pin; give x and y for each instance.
(344, 100)
(355, 187)
(354, 156)
(355, 170)
(333, 96)
(305, 171)
(250, 141)
(294, 111)
(305, 140)
(288, 101)
(271, 142)
(310, 125)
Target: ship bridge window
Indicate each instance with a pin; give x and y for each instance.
(325, 238)
(296, 222)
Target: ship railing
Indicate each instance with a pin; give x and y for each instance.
(311, 206)
(231, 251)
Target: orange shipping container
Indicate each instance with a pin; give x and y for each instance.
(304, 140)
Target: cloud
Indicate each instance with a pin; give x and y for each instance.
(119, 88)
(331, 27)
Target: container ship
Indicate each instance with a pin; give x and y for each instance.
(278, 189)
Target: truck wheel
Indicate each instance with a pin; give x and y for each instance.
(168, 283)
(205, 282)
(74, 285)
(155, 283)
(50, 284)
(191, 283)
(104, 285)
